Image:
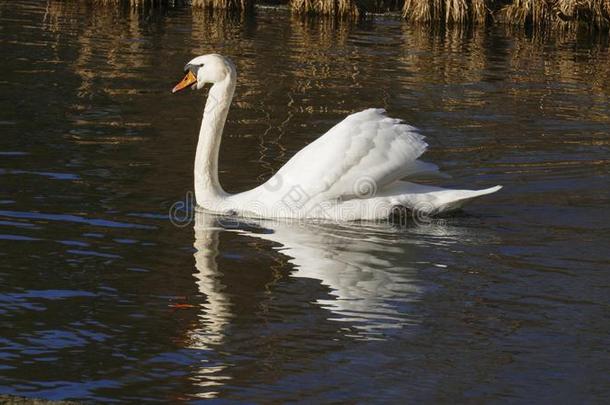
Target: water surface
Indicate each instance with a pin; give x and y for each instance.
(103, 298)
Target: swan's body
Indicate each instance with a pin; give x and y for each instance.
(357, 170)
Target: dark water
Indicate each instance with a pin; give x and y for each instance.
(103, 298)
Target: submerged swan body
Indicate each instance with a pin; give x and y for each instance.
(359, 170)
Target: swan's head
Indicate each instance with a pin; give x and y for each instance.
(212, 68)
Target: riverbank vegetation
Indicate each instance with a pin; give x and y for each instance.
(593, 14)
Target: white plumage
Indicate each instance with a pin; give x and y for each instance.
(357, 170)
(364, 146)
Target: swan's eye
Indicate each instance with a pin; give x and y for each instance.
(192, 68)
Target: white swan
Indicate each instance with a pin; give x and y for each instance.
(357, 170)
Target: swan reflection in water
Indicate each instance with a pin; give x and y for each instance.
(367, 268)
(367, 274)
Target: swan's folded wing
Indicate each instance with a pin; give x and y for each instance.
(360, 155)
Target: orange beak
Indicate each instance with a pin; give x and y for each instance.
(186, 82)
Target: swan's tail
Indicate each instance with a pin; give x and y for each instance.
(432, 200)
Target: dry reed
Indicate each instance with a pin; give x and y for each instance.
(326, 7)
(237, 5)
(536, 13)
(447, 11)
(541, 13)
(138, 3)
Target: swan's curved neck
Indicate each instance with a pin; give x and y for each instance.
(207, 187)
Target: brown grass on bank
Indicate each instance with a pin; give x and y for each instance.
(326, 7)
(238, 5)
(133, 3)
(234, 5)
(540, 13)
(447, 11)
(536, 13)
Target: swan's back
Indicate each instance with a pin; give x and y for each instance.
(355, 171)
(366, 148)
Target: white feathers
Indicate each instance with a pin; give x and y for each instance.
(364, 145)
(354, 171)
